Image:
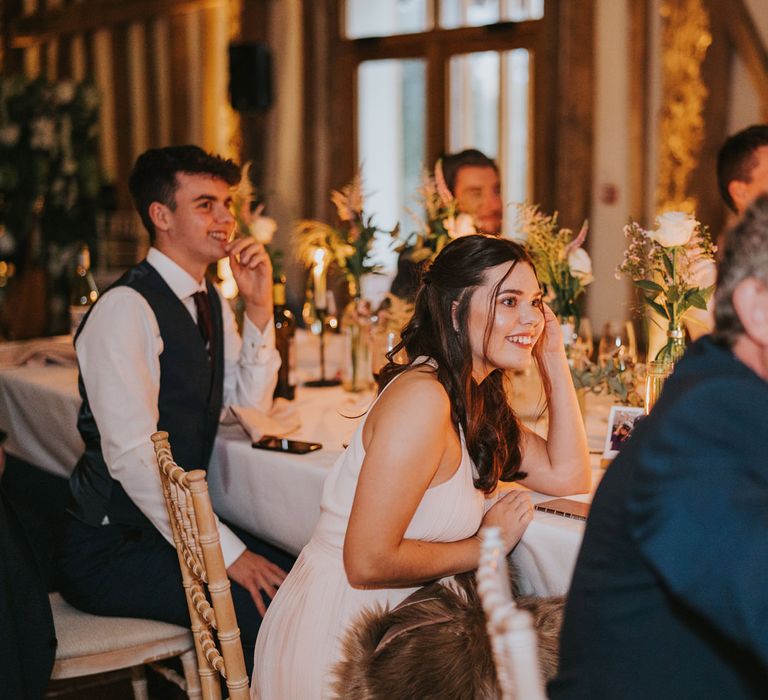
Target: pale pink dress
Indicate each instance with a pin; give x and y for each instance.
(299, 640)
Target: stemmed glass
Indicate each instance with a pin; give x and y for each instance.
(614, 348)
(583, 343)
(382, 342)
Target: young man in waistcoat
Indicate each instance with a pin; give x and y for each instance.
(160, 351)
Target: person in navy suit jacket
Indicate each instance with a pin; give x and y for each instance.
(668, 598)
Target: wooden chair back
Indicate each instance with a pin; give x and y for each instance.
(513, 637)
(196, 536)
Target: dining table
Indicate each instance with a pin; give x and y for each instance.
(273, 495)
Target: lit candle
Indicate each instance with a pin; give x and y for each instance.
(318, 277)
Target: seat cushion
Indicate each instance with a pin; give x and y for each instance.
(82, 634)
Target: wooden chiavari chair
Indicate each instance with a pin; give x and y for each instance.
(513, 637)
(196, 535)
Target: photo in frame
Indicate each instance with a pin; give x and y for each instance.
(621, 422)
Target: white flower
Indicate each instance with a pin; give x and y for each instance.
(374, 288)
(703, 272)
(674, 228)
(91, 98)
(64, 92)
(43, 134)
(460, 226)
(9, 135)
(69, 166)
(263, 228)
(580, 265)
(7, 241)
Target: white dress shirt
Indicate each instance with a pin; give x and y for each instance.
(118, 352)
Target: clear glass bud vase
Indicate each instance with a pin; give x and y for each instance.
(676, 343)
(356, 373)
(674, 348)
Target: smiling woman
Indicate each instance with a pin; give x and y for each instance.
(404, 503)
(507, 312)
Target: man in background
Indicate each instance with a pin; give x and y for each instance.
(473, 180)
(742, 167)
(668, 597)
(160, 351)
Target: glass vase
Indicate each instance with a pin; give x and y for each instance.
(658, 372)
(356, 374)
(674, 348)
(676, 343)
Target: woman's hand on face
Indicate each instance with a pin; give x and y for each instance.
(552, 338)
(512, 513)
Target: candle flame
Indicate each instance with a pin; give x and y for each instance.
(319, 257)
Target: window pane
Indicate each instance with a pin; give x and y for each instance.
(474, 102)
(490, 109)
(391, 138)
(468, 13)
(515, 118)
(521, 10)
(473, 13)
(385, 17)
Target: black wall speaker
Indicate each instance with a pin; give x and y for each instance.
(250, 76)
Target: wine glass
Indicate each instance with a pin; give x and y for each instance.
(583, 344)
(613, 349)
(382, 342)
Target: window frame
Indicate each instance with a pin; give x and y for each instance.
(562, 106)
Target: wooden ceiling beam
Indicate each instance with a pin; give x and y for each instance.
(90, 16)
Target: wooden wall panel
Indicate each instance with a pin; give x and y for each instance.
(639, 69)
(151, 85)
(51, 59)
(103, 74)
(716, 74)
(137, 88)
(32, 61)
(576, 70)
(178, 44)
(212, 79)
(194, 61)
(64, 58)
(159, 61)
(88, 51)
(122, 111)
(78, 59)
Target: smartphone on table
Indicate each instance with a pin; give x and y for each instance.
(278, 444)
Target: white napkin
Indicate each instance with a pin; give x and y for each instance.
(280, 420)
(40, 353)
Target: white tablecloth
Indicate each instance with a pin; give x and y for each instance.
(275, 496)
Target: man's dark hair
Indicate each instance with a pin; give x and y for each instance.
(153, 178)
(453, 162)
(745, 254)
(737, 159)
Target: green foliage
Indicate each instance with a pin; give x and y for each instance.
(49, 160)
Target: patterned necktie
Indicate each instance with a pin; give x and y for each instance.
(204, 321)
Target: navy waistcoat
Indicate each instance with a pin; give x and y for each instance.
(189, 403)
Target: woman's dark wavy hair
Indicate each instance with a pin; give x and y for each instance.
(491, 429)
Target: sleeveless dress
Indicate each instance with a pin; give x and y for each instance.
(300, 638)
